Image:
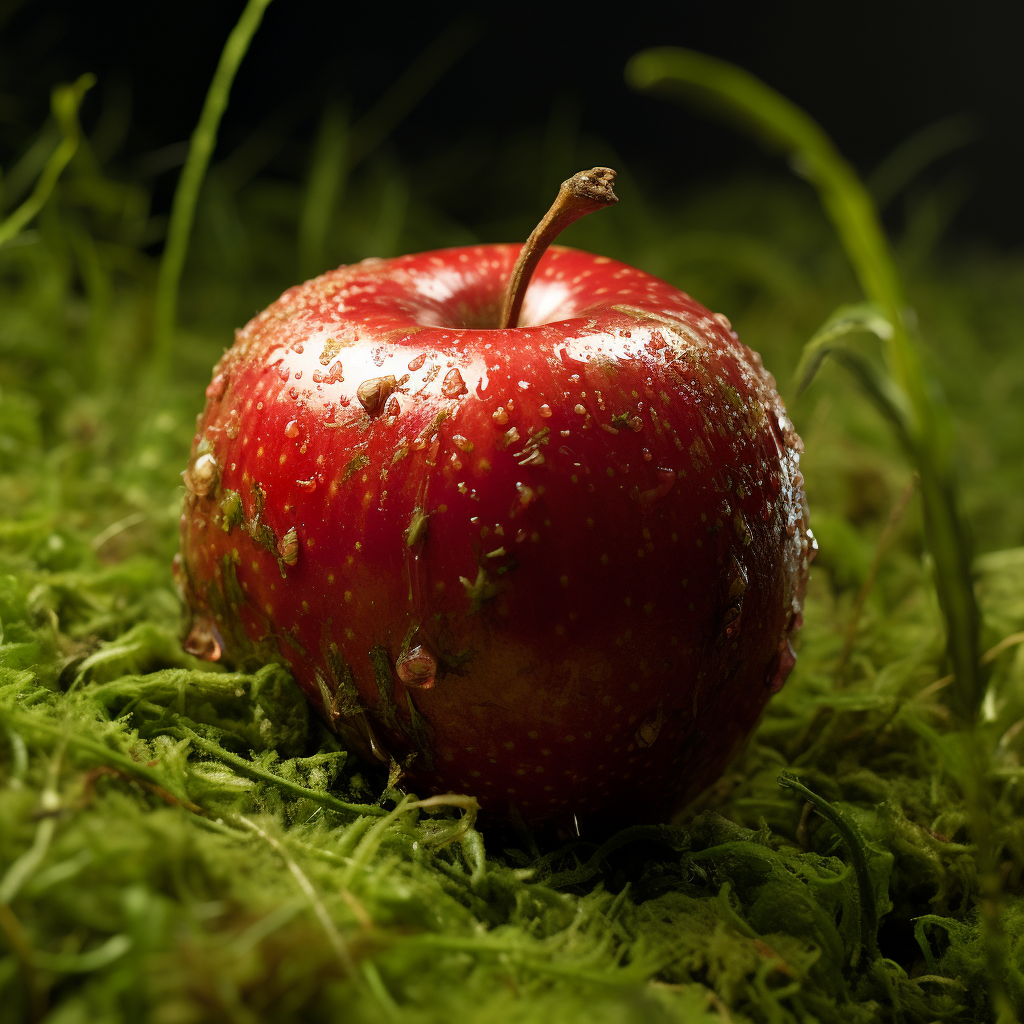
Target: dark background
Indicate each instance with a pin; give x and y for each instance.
(871, 73)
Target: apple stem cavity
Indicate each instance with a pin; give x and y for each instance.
(581, 194)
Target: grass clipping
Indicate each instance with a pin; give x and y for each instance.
(182, 845)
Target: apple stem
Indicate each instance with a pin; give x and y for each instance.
(581, 194)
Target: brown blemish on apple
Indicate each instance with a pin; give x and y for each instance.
(372, 393)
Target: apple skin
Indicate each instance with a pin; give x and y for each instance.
(560, 564)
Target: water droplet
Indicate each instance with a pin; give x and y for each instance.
(812, 549)
(500, 416)
(291, 429)
(379, 354)
(215, 389)
(648, 730)
(309, 486)
(647, 455)
(545, 411)
(231, 427)
(204, 641)
(288, 547)
(333, 376)
(724, 321)
(417, 667)
(372, 393)
(453, 385)
(415, 364)
(580, 410)
(202, 476)
(462, 443)
(665, 480)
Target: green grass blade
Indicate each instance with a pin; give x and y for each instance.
(65, 102)
(855, 844)
(729, 90)
(923, 148)
(186, 195)
(327, 176)
(411, 86)
(861, 318)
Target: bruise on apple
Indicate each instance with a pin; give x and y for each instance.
(560, 564)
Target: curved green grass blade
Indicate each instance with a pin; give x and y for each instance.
(327, 179)
(65, 103)
(683, 74)
(830, 340)
(864, 318)
(186, 195)
(923, 148)
(855, 844)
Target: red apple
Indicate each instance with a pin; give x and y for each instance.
(557, 566)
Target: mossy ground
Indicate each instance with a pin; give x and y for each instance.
(180, 845)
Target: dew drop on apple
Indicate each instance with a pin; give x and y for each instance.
(291, 429)
(453, 385)
(417, 667)
(216, 388)
(288, 547)
(545, 410)
(812, 545)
